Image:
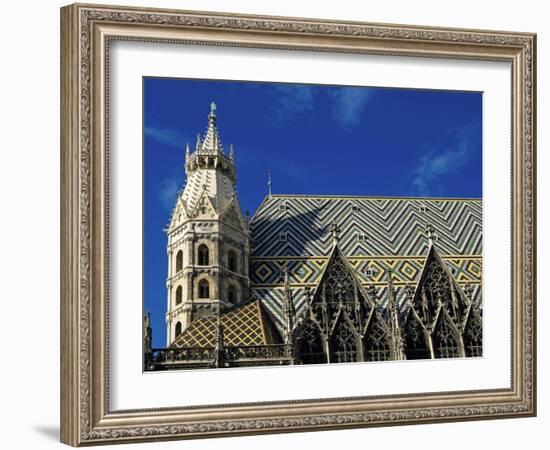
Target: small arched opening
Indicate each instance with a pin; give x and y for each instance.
(179, 261)
(232, 295)
(204, 289)
(232, 261)
(179, 295)
(204, 257)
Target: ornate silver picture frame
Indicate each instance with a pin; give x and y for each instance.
(87, 33)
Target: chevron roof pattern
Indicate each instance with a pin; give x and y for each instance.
(390, 226)
(376, 233)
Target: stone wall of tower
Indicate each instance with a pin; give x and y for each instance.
(206, 216)
(227, 270)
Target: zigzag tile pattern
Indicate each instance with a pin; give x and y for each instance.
(375, 234)
(391, 226)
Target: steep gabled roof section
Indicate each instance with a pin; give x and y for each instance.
(247, 324)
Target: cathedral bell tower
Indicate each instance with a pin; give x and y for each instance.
(208, 237)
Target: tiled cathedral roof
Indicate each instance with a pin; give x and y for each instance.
(377, 233)
(246, 324)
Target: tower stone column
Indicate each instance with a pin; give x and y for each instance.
(208, 236)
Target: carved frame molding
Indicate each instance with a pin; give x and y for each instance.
(86, 31)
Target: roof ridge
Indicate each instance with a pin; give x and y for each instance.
(371, 197)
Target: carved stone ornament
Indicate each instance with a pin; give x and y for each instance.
(87, 32)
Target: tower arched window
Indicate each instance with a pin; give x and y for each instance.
(179, 295)
(178, 329)
(204, 289)
(203, 255)
(232, 261)
(232, 295)
(179, 261)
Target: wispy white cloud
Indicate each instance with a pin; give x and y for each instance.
(348, 105)
(294, 171)
(166, 136)
(291, 101)
(167, 192)
(435, 164)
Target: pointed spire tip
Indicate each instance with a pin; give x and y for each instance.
(430, 233)
(335, 231)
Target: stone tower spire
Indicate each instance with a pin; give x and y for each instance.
(208, 237)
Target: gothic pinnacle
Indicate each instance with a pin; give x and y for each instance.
(335, 231)
(430, 233)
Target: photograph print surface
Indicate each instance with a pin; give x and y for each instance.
(290, 224)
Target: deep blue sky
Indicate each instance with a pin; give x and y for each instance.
(315, 140)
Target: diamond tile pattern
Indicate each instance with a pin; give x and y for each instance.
(248, 324)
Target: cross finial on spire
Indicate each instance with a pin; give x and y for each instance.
(430, 233)
(335, 231)
(212, 115)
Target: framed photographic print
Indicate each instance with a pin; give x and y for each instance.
(276, 225)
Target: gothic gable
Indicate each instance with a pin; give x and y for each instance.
(437, 287)
(339, 291)
(231, 214)
(204, 209)
(377, 340)
(446, 338)
(341, 322)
